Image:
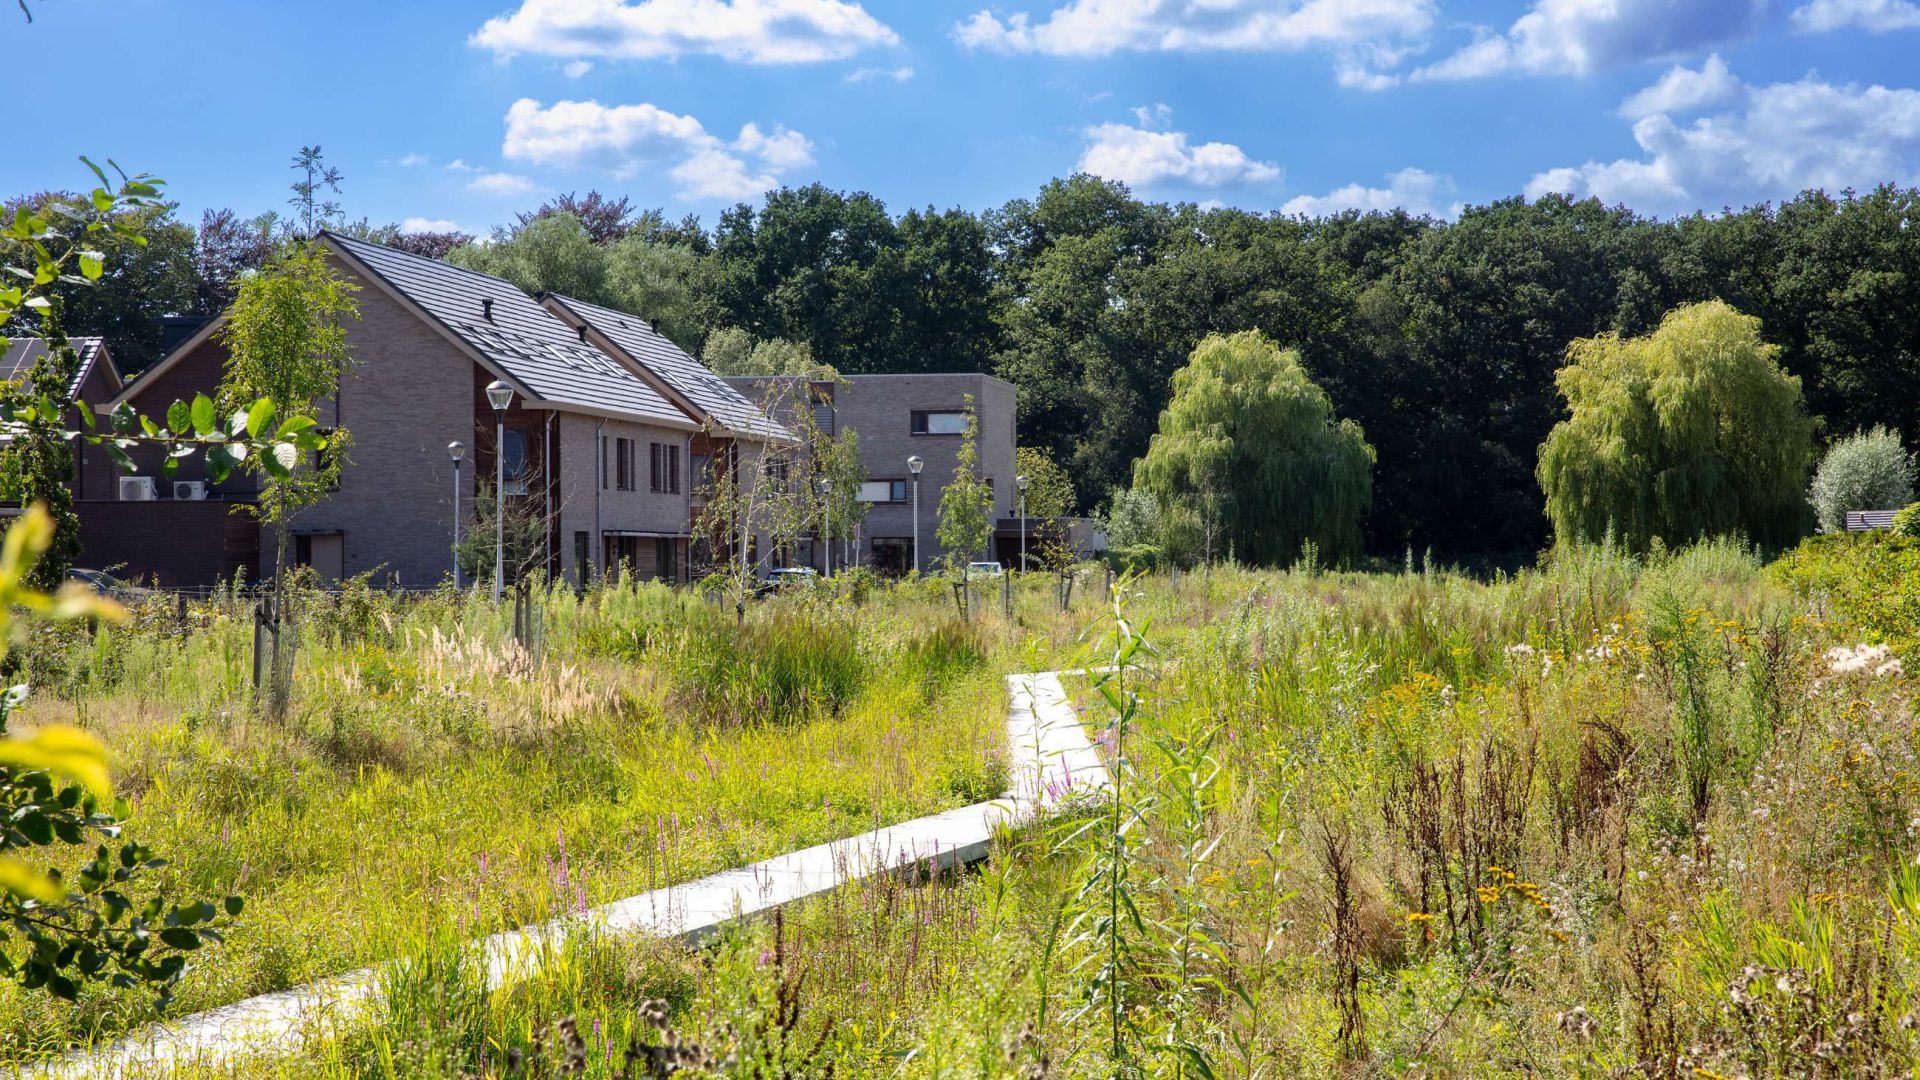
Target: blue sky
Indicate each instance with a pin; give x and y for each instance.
(441, 112)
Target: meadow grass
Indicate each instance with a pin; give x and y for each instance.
(433, 779)
(1608, 816)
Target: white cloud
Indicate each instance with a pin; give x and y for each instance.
(459, 165)
(420, 224)
(1878, 16)
(1103, 27)
(781, 150)
(1574, 37)
(1414, 190)
(753, 31)
(1357, 76)
(413, 160)
(1683, 90)
(625, 138)
(1144, 157)
(576, 68)
(899, 74)
(1780, 140)
(1158, 116)
(500, 183)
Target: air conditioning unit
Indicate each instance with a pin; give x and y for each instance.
(190, 489)
(138, 489)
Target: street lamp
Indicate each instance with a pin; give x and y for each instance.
(456, 450)
(499, 395)
(1021, 483)
(826, 530)
(914, 465)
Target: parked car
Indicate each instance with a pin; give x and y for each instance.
(106, 584)
(985, 569)
(786, 577)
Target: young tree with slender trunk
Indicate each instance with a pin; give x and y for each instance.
(286, 342)
(966, 509)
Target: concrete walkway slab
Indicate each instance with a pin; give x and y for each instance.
(1049, 758)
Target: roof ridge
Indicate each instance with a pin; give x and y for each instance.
(438, 263)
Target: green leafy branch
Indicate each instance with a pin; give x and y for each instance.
(61, 932)
(53, 239)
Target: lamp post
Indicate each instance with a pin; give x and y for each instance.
(456, 450)
(1020, 482)
(826, 530)
(914, 465)
(499, 395)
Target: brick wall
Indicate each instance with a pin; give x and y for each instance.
(171, 543)
(595, 505)
(880, 408)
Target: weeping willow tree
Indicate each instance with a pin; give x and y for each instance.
(1690, 431)
(1250, 451)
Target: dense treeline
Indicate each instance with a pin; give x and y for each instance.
(1440, 339)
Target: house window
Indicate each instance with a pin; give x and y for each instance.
(666, 468)
(893, 554)
(513, 454)
(884, 491)
(623, 464)
(580, 564)
(939, 422)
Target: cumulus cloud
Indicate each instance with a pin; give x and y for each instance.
(624, 138)
(413, 160)
(751, 31)
(1878, 16)
(1683, 90)
(501, 183)
(1574, 37)
(1104, 27)
(1777, 141)
(1143, 156)
(899, 74)
(421, 224)
(1414, 190)
(576, 68)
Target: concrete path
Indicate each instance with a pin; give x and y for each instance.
(1049, 757)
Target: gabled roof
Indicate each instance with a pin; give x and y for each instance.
(18, 358)
(532, 349)
(699, 389)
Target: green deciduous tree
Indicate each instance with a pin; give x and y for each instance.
(1049, 488)
(733, 351)
(286, 341)
(1250, 447)
(966, 506)
(1868, 470)
(1690, 431)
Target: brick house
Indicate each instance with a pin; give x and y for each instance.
(606, 415)
(96, 378)
(898, 417)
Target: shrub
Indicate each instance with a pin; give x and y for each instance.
(1907, 522)
(1872, 580)
(1868, 470)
